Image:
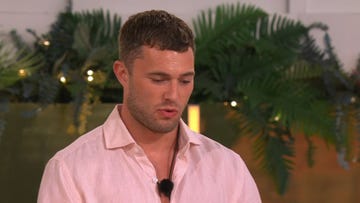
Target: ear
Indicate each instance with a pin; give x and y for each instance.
(121, 72)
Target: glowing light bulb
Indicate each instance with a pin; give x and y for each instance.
(233, 103)
(22, 73)
(46, 43)
(277, 118)
(63, 79)
(353, 100)
(90, 72)
(90, 78)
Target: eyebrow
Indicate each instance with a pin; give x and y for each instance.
(191, 73)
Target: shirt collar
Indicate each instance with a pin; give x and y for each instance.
(187, 136)
(116, 134)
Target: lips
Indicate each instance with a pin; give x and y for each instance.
(168, 112)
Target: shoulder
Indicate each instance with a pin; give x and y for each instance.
(204, 144)
(85, 144)
(216, 153)
(207, 148)
(227, 169)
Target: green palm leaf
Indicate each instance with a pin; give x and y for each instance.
(245, 55)
(12, 61)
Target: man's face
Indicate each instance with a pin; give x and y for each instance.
(159, 87)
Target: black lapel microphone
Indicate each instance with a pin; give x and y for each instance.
(165, 187)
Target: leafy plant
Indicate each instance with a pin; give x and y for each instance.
(15, 65)
(274, 71)
(79, 51)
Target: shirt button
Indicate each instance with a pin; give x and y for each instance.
(137, 151)
(155, 180)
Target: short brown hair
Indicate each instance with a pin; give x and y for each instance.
(154, 28)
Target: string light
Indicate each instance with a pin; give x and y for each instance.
(353, 100)
(90, 78)
(22, 73)
(277, 118)
(90, 72)
(233, 103)
(46, 43)
(63, 79)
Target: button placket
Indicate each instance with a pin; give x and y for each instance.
(144, 162)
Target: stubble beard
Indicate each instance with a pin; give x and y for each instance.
(142, 114)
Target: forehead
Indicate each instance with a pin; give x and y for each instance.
(154, 59)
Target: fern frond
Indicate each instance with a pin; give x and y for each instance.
(274, 154)
(226, 25)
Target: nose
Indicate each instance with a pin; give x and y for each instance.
(172, 91)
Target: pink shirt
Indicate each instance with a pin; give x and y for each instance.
(106, 165)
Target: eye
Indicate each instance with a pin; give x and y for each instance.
(157, 80)
(185, 81)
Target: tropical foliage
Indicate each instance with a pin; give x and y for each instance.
(282, 82)
(78, 51)
(14, 65)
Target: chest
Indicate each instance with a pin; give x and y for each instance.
(133, 179)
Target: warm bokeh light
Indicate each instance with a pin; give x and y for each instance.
(233, 104)
(277, 118)
(194, 117)
(353, 99)
(90, 78)
(90, 72)
(46, 43)
(22, 73)
(63, 79)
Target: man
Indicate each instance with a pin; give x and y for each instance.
(144, 152)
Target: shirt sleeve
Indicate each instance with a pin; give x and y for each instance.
(57, 184)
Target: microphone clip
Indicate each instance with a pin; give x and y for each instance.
(165, 187)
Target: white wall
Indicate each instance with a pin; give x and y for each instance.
(343, 17)
(186, 9)
(34, 14)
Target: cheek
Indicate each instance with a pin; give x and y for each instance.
(148, 91)
(186, 92)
